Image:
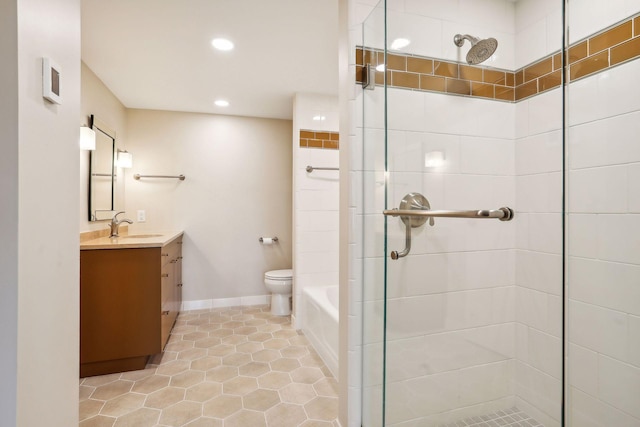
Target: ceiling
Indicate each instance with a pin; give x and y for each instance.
(157, 54)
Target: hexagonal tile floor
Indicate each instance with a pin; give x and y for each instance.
(223, 367)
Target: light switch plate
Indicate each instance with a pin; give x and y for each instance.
(142, 217)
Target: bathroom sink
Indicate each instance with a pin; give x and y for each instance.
(140, 236)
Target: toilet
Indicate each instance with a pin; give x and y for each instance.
(278, 282)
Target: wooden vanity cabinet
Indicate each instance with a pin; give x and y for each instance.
(129, 301)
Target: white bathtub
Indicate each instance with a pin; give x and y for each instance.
(320, 326)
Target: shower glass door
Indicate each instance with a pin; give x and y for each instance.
(467, 327)
(603, 214)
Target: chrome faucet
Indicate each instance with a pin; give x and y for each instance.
(115, 224)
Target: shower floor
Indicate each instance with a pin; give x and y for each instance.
(507, 418)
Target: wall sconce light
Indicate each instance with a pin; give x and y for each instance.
(433, 159)
(87, 138)
(125, 159)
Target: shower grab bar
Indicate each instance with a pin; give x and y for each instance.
(180, 177)
(503, 214)
(311, 169)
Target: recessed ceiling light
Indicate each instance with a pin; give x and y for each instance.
(221, 103)
(222, 44)
(400, 43)
(319, 118)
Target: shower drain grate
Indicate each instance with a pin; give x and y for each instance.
(507, 418)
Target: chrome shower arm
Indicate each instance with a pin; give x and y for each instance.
(459, 39)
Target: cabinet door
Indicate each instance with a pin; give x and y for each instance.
(178, 288)
(119, 300)
(166, 318)
(171, 272)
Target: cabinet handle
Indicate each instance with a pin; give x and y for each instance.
(179, 257)
(179, 285)
(164, 254)
(165, 313)
(173, 261)
(164, 275)
(180, 242)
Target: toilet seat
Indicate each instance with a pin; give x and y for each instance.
(279, 274)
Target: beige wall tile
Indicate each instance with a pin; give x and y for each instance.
(550, 81)
(420, 65)
(526, 90)
(482, 90)
(611, 37)
(505, 93)
(404, 79)
(396, 62)
(578, 52)
(625, 51)
(589, 65)
(445, 69)
(432, 83)
(468, 72)
(538, 69)
(461, 87)
(495, 77)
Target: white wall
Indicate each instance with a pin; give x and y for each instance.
(237, 189)
(538, 30)
(98, 100)
(47, 229)
(315, 214)
(587, 17)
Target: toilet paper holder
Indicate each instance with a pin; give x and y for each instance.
(261, 239)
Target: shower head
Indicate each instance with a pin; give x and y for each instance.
(480, 50)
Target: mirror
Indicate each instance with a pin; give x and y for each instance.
(102, 176)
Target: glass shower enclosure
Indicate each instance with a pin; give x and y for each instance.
(500, 202)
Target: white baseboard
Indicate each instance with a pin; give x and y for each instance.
(225, 302)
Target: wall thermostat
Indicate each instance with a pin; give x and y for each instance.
(51, 81)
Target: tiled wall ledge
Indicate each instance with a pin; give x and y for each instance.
(610, 47)
(319, 139)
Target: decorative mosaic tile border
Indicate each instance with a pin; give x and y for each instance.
(319, 139)
(428, 74)
(611, 46)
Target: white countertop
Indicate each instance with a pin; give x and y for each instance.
(132, 241)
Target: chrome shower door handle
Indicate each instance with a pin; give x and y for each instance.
(503, 214)
(415, 211)
(412, 202)
(407, 244)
